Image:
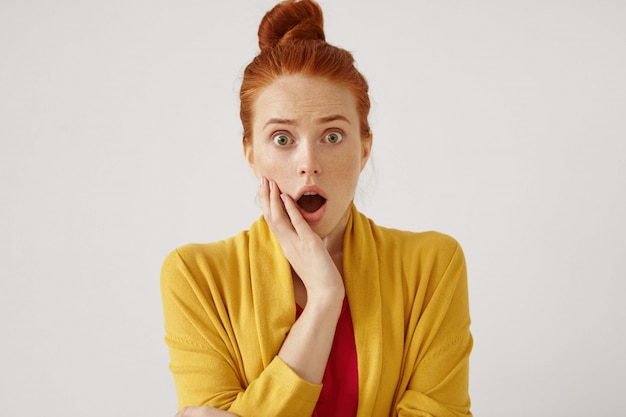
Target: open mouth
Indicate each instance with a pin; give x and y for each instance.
(311, 202)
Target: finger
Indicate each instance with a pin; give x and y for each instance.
(280, 220)
(263, 193)
(271, 210)
(203, 412)
(300, 225)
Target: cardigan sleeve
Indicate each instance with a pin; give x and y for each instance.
(204, 358)
(441, 345)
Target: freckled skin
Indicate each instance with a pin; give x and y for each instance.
(307, 109)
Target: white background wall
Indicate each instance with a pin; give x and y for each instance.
(498, 122)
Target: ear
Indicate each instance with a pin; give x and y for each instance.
(248, 153)
(366, 149)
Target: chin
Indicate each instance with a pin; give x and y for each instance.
(324, 229)
(321, 230)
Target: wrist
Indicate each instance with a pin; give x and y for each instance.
(326, 300)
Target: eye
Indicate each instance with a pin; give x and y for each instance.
(281, 139)
(334, 137)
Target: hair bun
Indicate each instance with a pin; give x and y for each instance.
(291, 21)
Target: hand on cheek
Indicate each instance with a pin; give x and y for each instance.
(274, 208)
(303, 248)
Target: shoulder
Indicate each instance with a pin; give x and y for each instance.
(425, 245)
(204, 261)
(426, 259)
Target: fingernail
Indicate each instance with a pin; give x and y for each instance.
(271, 185)
(283, 197)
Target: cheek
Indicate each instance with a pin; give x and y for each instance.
(273, 168)
(349, 165)
(345, 177)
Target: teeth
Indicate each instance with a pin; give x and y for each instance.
(310, 193)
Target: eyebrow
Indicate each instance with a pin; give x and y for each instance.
(333, 118)
(325, 119)
(277, 121)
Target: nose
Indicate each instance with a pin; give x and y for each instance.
(308, 160)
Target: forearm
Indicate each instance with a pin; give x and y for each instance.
(310, 339)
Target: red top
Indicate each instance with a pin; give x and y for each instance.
(340, 385)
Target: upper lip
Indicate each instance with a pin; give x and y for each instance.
(310, 189)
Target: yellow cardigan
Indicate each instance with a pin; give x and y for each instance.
(229, 305)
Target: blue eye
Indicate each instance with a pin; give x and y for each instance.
(281, 139)
(334, 137)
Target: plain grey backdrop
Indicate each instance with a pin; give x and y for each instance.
(500, 123)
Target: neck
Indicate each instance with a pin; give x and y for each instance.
(334, 242)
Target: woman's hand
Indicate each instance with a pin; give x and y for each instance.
(203, 412)
(303, 248)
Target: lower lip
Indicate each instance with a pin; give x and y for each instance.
(315, 216)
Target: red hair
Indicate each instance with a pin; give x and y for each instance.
(292, 41)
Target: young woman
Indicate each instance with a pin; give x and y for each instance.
(315, 310)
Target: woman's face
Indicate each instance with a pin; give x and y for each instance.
(306, 138)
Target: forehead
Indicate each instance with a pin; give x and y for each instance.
(302, 97)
